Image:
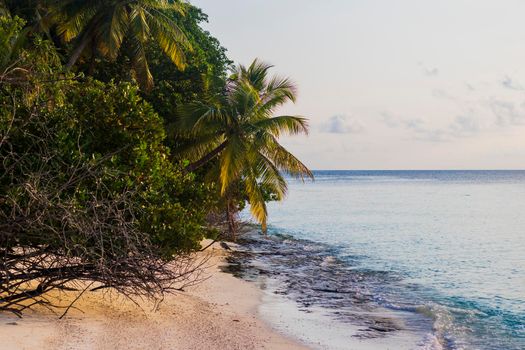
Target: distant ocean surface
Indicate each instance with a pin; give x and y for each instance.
(449, 245)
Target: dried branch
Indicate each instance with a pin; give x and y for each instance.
(56, 235)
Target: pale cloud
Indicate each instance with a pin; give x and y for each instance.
(393, 121)
(511, 84)
(464, 125)
(461, 126)
(416, 124)
(470, 87)
(507, 113)
(422, 132)
(341, 124)
(429, 71)
(389, 120)
(443, 94)
(453, 131)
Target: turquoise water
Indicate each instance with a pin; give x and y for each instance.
(455, 240)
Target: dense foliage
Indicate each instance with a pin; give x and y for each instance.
(104, 177)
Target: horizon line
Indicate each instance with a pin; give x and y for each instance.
(417, 169)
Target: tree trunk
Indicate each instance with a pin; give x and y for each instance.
(214, 153)
(92, 60)
(77, 52)
(230, 215)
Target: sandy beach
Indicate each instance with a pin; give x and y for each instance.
(219, 313)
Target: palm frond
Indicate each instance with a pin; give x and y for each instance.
(284, 160)
(291, 125)
(256, 200)
(281, 87)
(232, 162)
(256, 74)
(270, 176)
(169, 36)
(72, 16)
(140, 65)
(199, 118)
(196, 149)
(105, 24)
(113, 27)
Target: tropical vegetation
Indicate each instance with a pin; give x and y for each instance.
(126, 137)
(237, 127)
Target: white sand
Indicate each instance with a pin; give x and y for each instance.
(219, 313)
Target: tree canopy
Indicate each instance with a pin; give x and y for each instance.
(109, 181)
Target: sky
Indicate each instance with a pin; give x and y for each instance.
(404, 84)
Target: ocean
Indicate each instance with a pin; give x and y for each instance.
(433, 257)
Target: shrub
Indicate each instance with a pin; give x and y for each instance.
(88, 195)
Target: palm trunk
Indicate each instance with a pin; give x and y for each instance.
(85, 39)
(214, 153)
(230, 215)
(76, 54)
(92, 60)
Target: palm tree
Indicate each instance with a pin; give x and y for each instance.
(101, 26)
(239, 129)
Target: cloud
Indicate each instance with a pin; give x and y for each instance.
(340, 124)
(389, 120)
(393, 121)
(464, 125)
(416, 126)
(511, 84)
(479, 114)
(429, 72)
(422, 132)
(461, 126)
(413, 124)
(470, 87)
(443, 94)
(507, 113)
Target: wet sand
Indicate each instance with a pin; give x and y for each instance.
(313, 296)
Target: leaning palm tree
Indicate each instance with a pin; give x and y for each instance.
(239, 129)
(102, 26)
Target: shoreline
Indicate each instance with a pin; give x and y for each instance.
(316, 298)
(218, 313)
(224, 311)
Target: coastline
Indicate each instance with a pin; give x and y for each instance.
(218, 313)
(224, 311)
(311, 295)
